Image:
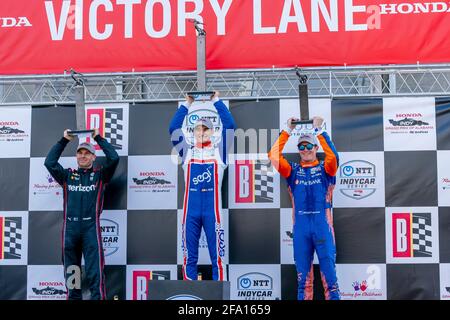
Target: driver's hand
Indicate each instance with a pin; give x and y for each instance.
(317, 122)
(189, 100)
(67, 136)
(95, 133)
(215, 95)
(289, 123)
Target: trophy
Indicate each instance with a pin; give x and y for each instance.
(79, 94)
(201, 95)
(79, 132)
(302, 122)
(303, 99)
(82, 135)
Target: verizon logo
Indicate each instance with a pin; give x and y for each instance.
(81, 188)
(11, 22)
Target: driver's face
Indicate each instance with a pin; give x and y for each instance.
(202, 134)
(85, 159)
(308, 155)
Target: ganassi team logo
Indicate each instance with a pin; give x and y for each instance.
(357, 179)
(255, 286)
(11, 238)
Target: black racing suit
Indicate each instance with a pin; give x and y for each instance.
(83, 203)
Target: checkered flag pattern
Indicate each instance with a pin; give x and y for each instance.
(263, 182)
(13, 238)
(114, 127)
(395, 239)
(422, 234)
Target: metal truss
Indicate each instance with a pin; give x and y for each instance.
(373, 81)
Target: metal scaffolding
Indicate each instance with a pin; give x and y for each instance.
(133, 87)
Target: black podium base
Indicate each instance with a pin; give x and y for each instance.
(188, 290)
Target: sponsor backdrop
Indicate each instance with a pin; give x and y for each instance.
(142, 35)
(391, 201)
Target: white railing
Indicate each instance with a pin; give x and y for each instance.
(395, 80)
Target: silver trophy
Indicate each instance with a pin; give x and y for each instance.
(201, 95)
(80, 132)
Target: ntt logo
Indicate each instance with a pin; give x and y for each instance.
(245, 283)
(348, 171)
(193, 118)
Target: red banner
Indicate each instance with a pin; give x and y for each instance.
(148, 35)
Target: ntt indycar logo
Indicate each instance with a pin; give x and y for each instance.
(110, 236)
(203, 114)
(81, 188)
(194, 117)
(255, 286)
(357, 179)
